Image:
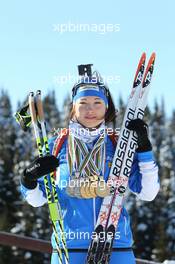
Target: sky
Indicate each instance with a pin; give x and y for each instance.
(42, 42)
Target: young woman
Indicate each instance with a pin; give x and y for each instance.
(86, 156)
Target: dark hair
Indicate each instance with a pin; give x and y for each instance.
(110, 113)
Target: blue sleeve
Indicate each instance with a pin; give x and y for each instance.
(145, 156)
(135, 179)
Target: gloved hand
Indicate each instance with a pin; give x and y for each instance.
(38, 168)
(141, 128)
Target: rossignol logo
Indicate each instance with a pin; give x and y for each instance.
(132, 147)
(118, 163)
(123, 144)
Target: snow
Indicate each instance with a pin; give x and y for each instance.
(169, 262)
(142, 227)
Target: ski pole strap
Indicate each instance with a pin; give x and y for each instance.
(59, 141)
(23, 117)
(81, 250)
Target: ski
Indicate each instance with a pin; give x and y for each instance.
(121, 187)
(100, 249)
(37, 115)
(97, 243)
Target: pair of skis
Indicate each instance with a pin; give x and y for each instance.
(100, 249)
(37, 115)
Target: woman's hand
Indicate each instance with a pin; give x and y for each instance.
(38, 168)
(141, 128)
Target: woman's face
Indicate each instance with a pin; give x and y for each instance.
(90, 111)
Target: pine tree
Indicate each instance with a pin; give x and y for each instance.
(147, 217)
(66, 111)
(8, 193)
(32, 222)
(169, 188)
(51, 112)
(120, 112)
(165, 222)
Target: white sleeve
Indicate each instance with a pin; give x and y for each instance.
(150, 181)
(35, 197)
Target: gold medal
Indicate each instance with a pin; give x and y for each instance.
(92, 191)
(77, 192)
(77, 188)
(92, 185)
(84, 189)
(102, 189)
(87, 190)
(83, 192)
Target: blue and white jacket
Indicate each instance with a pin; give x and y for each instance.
(80, 215)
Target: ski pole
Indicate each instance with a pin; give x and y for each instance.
(37, 114)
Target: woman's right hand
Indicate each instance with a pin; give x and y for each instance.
(38, 168)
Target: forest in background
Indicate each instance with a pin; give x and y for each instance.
(153, 222)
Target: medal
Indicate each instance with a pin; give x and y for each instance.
(93, 181)
(83, 191)
(87, 190)
(102, 189)
(73, 189)
(70, 187)
(77, 188)
(92, 191)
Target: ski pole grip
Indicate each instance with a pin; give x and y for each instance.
(40, 107)
(32, 107)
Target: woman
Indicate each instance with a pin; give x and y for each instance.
(85, 158)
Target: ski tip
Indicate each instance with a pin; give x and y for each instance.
(149, 70)
(153, 57)
(143, 57)
(142, 60)
(151, 61)
(153, 54)
(140, 70)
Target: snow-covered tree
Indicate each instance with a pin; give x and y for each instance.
(8, 193)
(51, 112)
